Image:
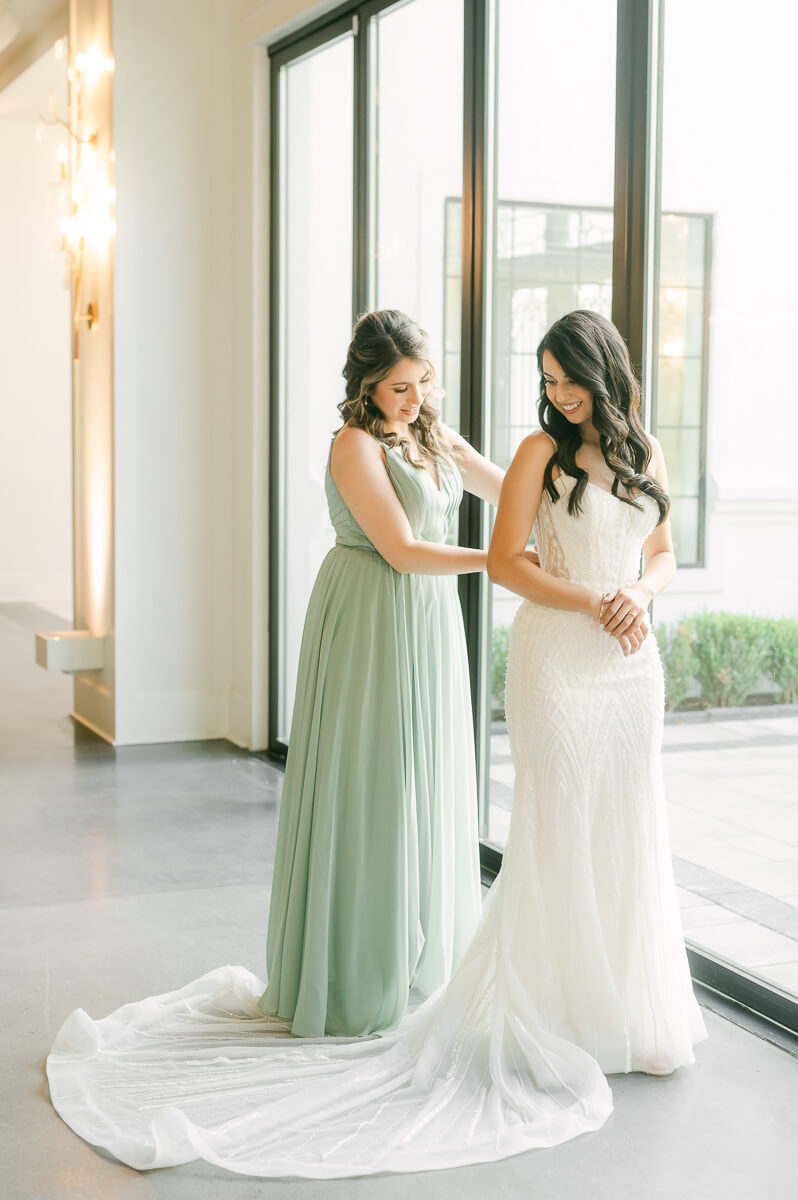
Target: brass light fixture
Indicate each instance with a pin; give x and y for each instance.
(91, 198)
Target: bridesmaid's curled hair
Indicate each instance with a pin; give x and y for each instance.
(380, 340)
(592, 353)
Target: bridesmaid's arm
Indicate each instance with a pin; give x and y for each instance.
(508, 562)
(358, 469)
(481, 477)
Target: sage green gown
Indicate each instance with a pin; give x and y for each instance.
(376, 885)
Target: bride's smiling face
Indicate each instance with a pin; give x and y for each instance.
(573, 401)
(405, 388)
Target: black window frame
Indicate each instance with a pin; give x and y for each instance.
(638, 122)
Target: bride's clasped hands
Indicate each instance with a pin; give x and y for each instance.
(624, 615)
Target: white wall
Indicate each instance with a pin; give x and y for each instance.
(174, 400)
(35, 396)
(191, 367)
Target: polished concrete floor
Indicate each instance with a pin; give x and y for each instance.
(128, 872)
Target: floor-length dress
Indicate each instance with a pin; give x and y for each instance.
(376, 885)
(577, 969)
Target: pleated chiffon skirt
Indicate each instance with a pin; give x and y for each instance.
(376, 880)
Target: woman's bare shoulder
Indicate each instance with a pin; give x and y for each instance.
(656, 465)
(537, 447)
(534, 453)
(352, 445)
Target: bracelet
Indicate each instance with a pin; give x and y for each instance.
(604, 598)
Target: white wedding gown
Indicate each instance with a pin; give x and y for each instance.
(577, 970)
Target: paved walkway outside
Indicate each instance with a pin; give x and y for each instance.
(732, 788)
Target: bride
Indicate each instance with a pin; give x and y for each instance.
(577, 969)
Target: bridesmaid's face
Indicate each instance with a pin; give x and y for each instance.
(574, 402)
(400, 395)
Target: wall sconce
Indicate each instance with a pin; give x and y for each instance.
(91, 198)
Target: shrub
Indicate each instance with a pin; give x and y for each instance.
(782, 637)
(676, 652)
(730, 653)
(500, 646)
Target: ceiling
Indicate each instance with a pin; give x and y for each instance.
(27, 29)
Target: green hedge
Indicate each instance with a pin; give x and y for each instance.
(724, 654)
(727, 654)
(501, 644)
(782, 638)
(676, 652)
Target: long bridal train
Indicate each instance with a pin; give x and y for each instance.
(470, 1076)
(577, 968)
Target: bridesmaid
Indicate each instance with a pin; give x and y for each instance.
(376, 880)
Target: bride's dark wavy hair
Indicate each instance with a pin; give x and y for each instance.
(592, 353)
(380, 340)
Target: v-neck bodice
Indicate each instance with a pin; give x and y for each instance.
(430, 509)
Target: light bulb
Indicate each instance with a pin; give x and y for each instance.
(77, 193)
(80, 62)
(59, 49)
(62, 153)
(95, 64)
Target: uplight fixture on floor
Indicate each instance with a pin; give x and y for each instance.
(70, 650)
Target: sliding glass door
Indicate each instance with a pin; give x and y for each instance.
(549, 250)
(312, 291)
(415, 169)
(724, 398)
(486, 166)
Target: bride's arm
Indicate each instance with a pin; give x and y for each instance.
(508, 563)
(358, 469)
(659, 562)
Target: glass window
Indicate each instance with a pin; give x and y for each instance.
(720, 309)
(678, 400)
(416, 165)
(550, 234)
(315, 302)
(726, 633)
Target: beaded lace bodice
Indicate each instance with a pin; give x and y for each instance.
(600, 546)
